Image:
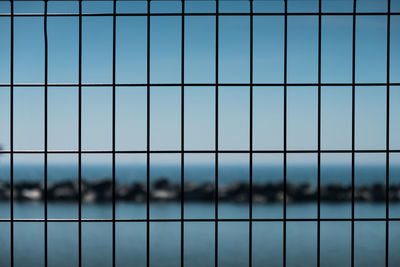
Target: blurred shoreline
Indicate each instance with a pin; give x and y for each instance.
(163, 190)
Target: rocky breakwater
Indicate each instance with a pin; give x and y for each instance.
(163, 190)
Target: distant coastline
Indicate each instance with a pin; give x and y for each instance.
(163, 190)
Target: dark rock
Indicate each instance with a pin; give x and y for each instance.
(394, 193)
(236, 192)
(4, 191)
(378, 192)
(302, 192)
(135, 192)
(27, 185)
(164, 190)
(335, 193)
(202, 192)
(28, 191)
(161, 183)
(101, 190)
(63, 191)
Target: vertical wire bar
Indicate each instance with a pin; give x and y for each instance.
(12, 133)
(182, 130)
(284, 137)
(251, 141)
(80, 136)
(387, 135)
(113, 131)
(319, 138)
(216, 129)
(45, 128)
(353, 94)
(148, 141)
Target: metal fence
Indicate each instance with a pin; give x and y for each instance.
(182, 151)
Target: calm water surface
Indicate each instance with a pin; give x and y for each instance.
(233, 237)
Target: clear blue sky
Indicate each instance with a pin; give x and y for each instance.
(234, 67)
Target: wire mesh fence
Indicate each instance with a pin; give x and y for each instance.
(254, 12)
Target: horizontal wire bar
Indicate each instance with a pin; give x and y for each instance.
(208, 220)
(192, 84)
(203, 14)
(192, 151)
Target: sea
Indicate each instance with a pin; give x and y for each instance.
(200, 238)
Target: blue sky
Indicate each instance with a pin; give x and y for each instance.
(234, 67)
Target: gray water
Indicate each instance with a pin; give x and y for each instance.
(233, 237)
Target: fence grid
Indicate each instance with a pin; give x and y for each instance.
(182, 151)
